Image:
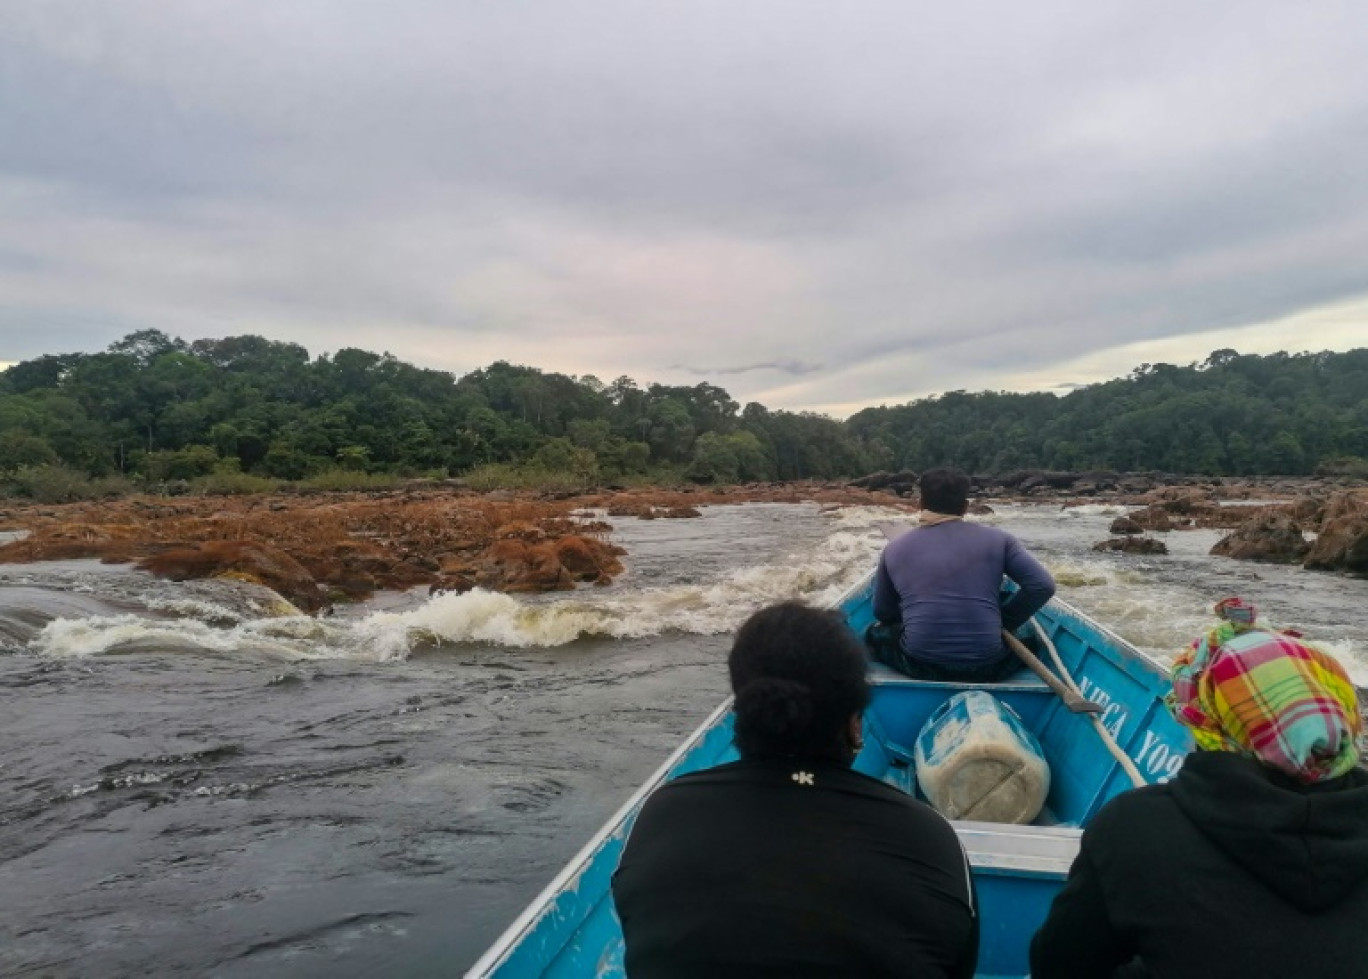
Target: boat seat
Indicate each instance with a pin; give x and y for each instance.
(882, 675)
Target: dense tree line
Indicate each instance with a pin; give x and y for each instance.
(154, 407)
(1229, 415)
(157, 409)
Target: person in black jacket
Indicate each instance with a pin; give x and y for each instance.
(1253, 861)
(787, 863)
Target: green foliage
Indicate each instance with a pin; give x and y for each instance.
(1351, 466)
(1233, 414)
(53, 484)
(229, 483)
(560, 455)
(620, 457)
(217, 410)
(353, 457)
(505, 476)
(285, 460)
(729, 458)
(188, 463)
(348, 481)
(19, 450)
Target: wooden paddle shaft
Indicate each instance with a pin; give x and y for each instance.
(1071, 699)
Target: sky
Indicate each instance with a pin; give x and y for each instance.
(816, 206)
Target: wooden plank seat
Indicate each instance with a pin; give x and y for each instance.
(1023, 679)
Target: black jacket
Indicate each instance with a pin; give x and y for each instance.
(787, 868)
(1228, 870)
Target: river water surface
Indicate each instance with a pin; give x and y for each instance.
(189, 785)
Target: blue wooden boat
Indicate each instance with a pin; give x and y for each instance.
(571, 928)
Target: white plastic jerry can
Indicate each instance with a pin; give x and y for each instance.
(976, 760)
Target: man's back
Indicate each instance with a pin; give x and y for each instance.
(943, 581)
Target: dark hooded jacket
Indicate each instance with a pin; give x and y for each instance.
(777, 867)
(1231, 869)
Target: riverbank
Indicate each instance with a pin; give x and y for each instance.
(319, 549)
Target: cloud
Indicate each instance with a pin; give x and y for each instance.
(782, 366)
(813, 212)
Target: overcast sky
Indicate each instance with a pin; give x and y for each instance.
(812, 205)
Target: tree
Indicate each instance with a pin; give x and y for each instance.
(19, 449)
(671, 431)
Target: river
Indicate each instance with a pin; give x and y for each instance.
(190, 785)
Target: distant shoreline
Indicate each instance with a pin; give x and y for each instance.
(317, 549)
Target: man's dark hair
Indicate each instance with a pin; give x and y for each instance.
(798, 674)
(945, 491)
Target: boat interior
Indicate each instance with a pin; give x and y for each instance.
(572, 930)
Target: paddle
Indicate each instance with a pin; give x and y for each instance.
(1071, 699)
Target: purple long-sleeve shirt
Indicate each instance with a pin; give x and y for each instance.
(942, 583)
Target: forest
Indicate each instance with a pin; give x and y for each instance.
(244, 413)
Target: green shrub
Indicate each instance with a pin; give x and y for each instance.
(52, 484)
(19, 449)
(187, 463)
(348, 480)
(502, 476)
(1343, 466)
(226, 482)
(113, 487)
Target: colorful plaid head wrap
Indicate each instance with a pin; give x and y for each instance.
(1265, 694)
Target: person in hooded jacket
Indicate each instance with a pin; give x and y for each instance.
(787, 863)
(1253, 860)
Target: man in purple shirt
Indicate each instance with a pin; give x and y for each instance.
(936, 591)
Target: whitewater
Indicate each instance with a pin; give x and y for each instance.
(195, 780)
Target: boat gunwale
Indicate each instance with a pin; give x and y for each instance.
(1058, 845)
(542, 903)
(538, 907)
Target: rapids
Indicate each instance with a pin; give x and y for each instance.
(193, 782)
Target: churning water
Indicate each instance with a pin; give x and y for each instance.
(191, 783)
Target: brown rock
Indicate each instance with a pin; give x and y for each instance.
(1125, 525)
(1152, 518)
(257, 562)
(1132, 545)
(456, 583)
(1308, 511)
(1271, 537)
(521, 529)
(1342, 544)
(585, 559)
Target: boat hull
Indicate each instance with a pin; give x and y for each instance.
(571, 929)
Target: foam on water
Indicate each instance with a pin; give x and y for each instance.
(705, 608)
(1159, 604)
(298, 637)
(818, 575)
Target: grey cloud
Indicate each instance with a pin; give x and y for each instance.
(796, 368)
(896, 199)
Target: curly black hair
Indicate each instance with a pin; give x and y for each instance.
(798, 674)
(945, 491)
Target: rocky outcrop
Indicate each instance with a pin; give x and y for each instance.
(315, 551)
(1271, 537)
(1125, 525)
(901, 483)
(1342, 543)
(248, 561)
(1152, 518)
(1132, 545)
(649, 511)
